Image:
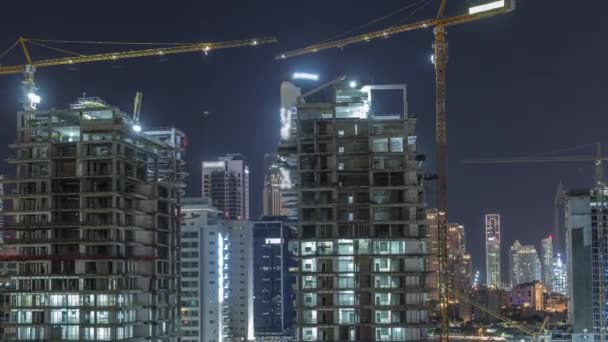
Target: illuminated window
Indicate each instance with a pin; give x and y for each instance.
(346, 316)
(396, 144)
(383, 316)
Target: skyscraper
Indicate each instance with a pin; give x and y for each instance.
(362, 249)
(560, 276)
(547, 262)
(273, 278)
(459, 260)
(525, 266)
(226, 182)
(271, 194)
(586, 241)
(493, 278)
(94, 221)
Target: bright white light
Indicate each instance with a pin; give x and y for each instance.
(487, 7)
(432, 58)
(213, 164)
(285, 123)
(35, 99)
(255, 42)
(283, 56)
(246, 170)
(220, 268)
(305, 76)
(137, 128)
(274, 241)
(285, 179)
(353, 84)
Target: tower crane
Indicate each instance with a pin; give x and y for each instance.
(30, 99)
(440, 59)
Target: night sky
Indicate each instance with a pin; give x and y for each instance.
(524, 83)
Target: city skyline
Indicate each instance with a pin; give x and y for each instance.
(407, 60)
(285, 189)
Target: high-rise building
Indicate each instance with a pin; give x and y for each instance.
(459, 260)
(273, 278)
(271, 194)
(586, 240)
(94, 222)
(546, 250)
(433, 226)
(287, 153)
(216, 275)
(525, 266)
(203, 309)
(278, 196)
(363, 247)
(493, 278)
(560, 276)
(226, 182)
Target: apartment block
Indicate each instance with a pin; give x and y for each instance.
(93, 220)
(363, 249)
(216, 275)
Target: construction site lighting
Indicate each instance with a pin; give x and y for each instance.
(35, 99)
(305, 76)
(352, 84)
(487, 7)
(137, 128)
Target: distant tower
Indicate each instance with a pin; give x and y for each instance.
(546, 250)
(226, 182)
(525, 266)
(493, 250)
(560, 278)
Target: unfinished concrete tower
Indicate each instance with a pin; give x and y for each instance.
(363, 247)
(94, 222)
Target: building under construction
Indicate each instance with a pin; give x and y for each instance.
(363, 247)
(92, 211)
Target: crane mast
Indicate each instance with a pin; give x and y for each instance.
(440, 47)
(440, 61)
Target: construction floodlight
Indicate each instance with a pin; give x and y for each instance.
(487, 7)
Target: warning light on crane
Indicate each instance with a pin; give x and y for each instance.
(35, 99)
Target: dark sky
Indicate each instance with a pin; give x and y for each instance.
(528, 82)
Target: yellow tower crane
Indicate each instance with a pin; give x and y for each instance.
(439, 23)
(30, 99)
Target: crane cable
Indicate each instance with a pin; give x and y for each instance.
(108, 43)
(57, 49)
(386, 16)
(5, 52)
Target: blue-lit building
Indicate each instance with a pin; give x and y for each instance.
(273, 282)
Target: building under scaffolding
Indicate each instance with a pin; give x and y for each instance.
(93, 217)
(363, 249)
